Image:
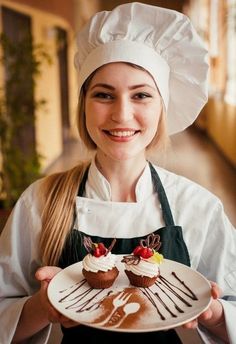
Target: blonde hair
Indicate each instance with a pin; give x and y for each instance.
(59, 193)
(60, 189)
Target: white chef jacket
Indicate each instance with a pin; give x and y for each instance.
(207, 232)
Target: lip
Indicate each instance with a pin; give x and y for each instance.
(121, 134)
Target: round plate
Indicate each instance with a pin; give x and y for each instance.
(179, 295)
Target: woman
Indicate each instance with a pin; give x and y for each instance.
(136, 87)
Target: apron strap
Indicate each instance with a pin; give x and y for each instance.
(83, 182)
(166, 211)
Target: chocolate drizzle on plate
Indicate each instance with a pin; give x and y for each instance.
(166, 296)
(169, 289)
(194, 297)
(75, 297)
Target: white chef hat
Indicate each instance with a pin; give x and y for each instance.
(160, 40)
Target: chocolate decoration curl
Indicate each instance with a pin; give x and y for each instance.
(131, 260)
(152, 242)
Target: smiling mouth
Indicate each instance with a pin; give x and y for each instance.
(121, 133)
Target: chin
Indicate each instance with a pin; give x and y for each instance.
(125, 156)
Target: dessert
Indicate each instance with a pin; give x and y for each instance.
(99, 264)
(142, 266)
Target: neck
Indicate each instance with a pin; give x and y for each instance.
(122, 176)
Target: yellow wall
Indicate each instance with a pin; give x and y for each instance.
(218, 119)
(48, 120)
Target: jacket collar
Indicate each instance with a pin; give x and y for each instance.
(98, 187)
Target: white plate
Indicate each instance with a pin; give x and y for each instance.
(145, 309)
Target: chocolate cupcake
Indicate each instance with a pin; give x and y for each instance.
(99, 264)
(142, 266)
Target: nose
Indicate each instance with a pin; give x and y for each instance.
(122, 110)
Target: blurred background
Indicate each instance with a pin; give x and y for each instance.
(38, 99)
(38, 96)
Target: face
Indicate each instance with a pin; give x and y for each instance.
(122, 110)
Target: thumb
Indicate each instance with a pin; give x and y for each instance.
(44, 285)
(47, 273)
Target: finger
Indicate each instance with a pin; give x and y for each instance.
(191, 324)
(69, 323)
(52, 310)
(215, 290)
(206, 315)
(53, 314)
(44, 286)
(64, 319)
(46, 272)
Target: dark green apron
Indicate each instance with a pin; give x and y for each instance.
(172, 247)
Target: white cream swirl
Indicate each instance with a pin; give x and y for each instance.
(146, 267)
(102, 263)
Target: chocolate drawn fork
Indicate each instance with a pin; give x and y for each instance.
(119, 301)
(129, 308)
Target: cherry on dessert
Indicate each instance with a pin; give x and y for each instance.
(102, 248)
(146, 252)
(137, 251)
(97, 252)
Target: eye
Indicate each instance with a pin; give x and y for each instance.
(142, 95)
(102, 95)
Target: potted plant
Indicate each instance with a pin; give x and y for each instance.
(20, 162)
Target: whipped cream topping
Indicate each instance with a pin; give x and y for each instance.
(102, 263)
(146, 267)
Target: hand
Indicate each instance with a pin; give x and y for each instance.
(213, 315)
(44, 275)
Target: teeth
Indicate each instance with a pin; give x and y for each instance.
(122, 133)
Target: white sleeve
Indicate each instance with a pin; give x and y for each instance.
(18, 263)
(211, 242)
(230, 316)
(218, 263)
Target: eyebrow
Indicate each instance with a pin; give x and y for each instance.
(109, 87)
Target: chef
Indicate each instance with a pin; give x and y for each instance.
(142, 75)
